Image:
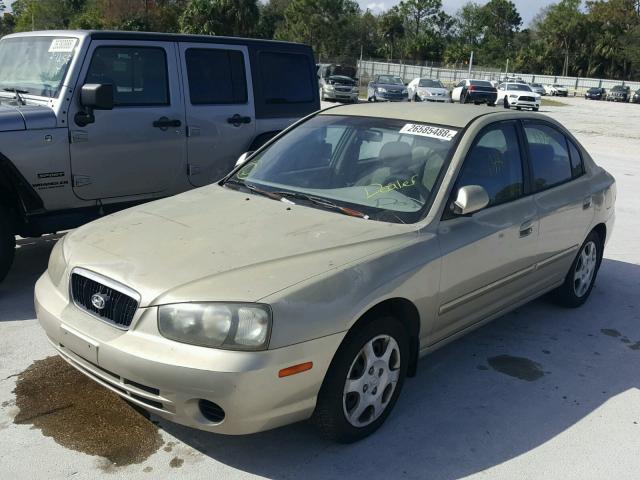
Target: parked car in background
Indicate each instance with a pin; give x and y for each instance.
(512, 79)
(427, 90)
(635, 98)
(358, 241)
(538, 88)
(474, 91)
(387, 88)
(619, 93)
(595, 93)
(556, 90)
(338, 83)
(94, 122)
(518, 96)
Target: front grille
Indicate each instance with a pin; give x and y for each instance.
(527, 99)
(118, 309)
(343, 89)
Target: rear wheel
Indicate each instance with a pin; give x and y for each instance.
(7, 243)
(463, 98)
(364, 381)
(582, 275)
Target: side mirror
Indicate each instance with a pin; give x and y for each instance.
(97, 96)
(93, 96)
(242, 159)
(470, 199)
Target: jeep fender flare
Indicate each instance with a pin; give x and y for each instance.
(16, 193)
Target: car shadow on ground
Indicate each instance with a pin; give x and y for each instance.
(459, 416)
(16, 292)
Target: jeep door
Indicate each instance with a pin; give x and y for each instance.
(488, 257)
(139, 147)
(219, 108)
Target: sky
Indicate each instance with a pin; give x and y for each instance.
(527, 8)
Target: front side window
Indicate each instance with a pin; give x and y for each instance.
(216, 76)
(138, 74)
(385, 169)
(285, 78)
(494, 163)
(35, 65)
(548, 155)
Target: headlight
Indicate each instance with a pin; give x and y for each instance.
(57, 262)
(513, 96)
(381, 89)
(405, 91)
(328, 87)
(355, 90)
(231, 326)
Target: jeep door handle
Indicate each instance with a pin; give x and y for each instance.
(164, 123)
(238, 119)
(526, 229)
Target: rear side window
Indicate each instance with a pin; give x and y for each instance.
(285, 78)
(494, 163)
(549, 156)
(216, 76)
(138, 74)
(577, 167)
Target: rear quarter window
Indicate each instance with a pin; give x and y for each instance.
(285, 78)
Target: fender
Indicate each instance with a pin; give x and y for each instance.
(16, 192)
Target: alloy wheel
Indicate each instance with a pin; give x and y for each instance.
(585, 269)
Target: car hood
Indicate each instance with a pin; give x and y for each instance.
(434, 90)
(27, 117)
(391, 86)
(215, 243)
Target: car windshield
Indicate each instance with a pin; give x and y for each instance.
(518, 86)
(536, 85)
(381, 169)
(618, 88)
(480, 83)
(427, 82)
(390, 80)
(35, 65)
(594, 90)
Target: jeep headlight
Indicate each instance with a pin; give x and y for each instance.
(57, 262)
(231, 326)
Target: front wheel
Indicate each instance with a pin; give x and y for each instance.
(506, 104)
(535, 109)
(364, 381)
(582, 275)
(7, 243)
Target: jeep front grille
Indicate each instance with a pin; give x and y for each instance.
(103, 298)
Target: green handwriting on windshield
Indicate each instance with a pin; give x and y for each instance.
(377, 188)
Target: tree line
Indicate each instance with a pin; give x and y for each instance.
(593, 38)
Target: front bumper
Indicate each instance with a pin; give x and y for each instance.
(341, 96)
(515, 102)
(170, 378)
(387, 97)
(434, 98)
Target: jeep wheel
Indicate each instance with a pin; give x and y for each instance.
(7, 243)
(363, 381)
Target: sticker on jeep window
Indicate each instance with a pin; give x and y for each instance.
(62, 45)
(429, 131)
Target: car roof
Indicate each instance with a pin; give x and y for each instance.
(454, 115)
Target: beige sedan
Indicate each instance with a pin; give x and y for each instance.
(308, 282)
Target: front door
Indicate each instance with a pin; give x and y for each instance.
(139, 147)
(488, 257)
(220, 109)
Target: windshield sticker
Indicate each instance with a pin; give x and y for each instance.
(62, 45)
(378, 189)
(429, 131)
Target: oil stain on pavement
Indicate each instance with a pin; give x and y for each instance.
(518, 367)
(81, 415)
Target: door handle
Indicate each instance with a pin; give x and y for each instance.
(586, 204)
(164, 123)
(526, 229)
(238, 120)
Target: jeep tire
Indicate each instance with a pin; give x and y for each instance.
(7, 243)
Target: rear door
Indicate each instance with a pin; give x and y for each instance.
(126, 152)
(219, 108)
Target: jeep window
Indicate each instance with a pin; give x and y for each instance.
(138, 74)
(428, 83)
(386, 169)
(285, 78)
(216, 76)
(35, 65)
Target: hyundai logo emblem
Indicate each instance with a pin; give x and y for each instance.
(99, 300)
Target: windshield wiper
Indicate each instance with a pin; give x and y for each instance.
(16, 92)
(322, 202)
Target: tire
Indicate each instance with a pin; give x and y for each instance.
(574, 292)
(7, 243)
(535, 109)
(463, 98)
(491, 104)
(416, 98)
(518, 108)
(333, 404)
(506, 104)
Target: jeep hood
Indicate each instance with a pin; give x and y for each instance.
(26, 117)
(214, 243)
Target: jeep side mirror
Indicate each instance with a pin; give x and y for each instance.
(470, 199)
(93, 96)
